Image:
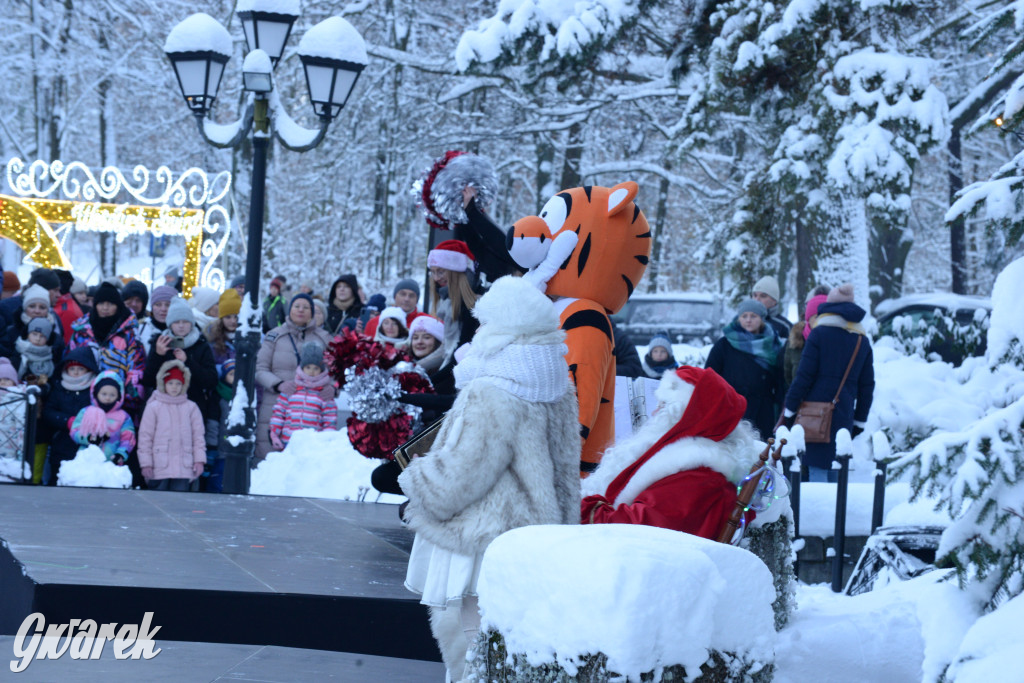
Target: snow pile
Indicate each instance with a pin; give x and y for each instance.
(91, 468)
(334, 38)
(12, 469)
(991, 649)
(318, 465)
(556, 593)
(199, 33)
(1006, 327)
(903, 630)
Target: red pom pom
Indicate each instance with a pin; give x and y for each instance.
(381, 439)
(414, 383)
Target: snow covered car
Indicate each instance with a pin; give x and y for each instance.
(950, 325)
(688, 317)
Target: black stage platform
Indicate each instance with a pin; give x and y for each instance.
(248, 570)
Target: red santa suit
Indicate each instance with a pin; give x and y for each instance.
(679, 471)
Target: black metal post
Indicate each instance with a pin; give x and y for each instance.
(28, 451)
(878, 506)
(238, 458)
(839, 536)
(794, 490)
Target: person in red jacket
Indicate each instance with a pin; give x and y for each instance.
(680, 470)
(66, 306)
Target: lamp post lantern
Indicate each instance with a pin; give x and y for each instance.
(333, 54)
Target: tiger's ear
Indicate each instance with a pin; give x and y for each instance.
(621, 195)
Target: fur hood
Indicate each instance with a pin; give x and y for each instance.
(161, 375)
(514, 312)
(796, 335)
(732, 457)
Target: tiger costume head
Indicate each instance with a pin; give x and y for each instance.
(610, 254)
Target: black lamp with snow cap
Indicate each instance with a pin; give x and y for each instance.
(267, 24)
(198, 48)
(333, 55)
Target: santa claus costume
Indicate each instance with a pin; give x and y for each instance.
(680, 470)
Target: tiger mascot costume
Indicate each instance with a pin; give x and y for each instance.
(588, 247)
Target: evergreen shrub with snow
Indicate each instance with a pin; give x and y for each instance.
(976, 472)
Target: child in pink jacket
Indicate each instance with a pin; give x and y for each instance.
(304, 409)
(172, 441)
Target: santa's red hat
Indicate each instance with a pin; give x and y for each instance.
(428, 324)
(451, 255)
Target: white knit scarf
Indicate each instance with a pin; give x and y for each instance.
(533, 372)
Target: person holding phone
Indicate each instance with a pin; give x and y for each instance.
(182, 341)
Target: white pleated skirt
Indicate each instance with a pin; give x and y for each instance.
(440, 575)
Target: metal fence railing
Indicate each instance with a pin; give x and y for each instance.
(11, 422)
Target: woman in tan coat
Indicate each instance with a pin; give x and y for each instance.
(277, 360)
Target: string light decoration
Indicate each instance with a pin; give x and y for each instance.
(186, 205)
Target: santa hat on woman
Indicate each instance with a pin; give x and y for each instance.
(430, 325)
(451, 255)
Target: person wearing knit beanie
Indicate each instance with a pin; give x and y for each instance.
(11, 284)
(766, 290)
(41, 325)
(230, 303)
(180, 310)
(204, 299)
(47, 279)
(35, 293)
(163, 293)
(841, 294)
(136, 297)
(66, 280)
(752, 306)
(426, 339)
(406, 295)
(8, 375)
(312, 354)
(238, 284)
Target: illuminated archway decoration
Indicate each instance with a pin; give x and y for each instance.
(186, 206)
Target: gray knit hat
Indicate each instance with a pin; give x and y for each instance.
(769, 285)
(179, 310)
(407, 283)
(312, 354)
(752, 306)
(41, 325)
(661, 339)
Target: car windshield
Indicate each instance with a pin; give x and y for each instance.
(670, 312)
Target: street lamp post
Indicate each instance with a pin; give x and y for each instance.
(333, 54)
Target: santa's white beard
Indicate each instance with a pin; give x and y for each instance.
(625, 452)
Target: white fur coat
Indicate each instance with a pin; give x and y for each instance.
(498, 463)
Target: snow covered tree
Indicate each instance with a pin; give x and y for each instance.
(836, 114)
(977, 473)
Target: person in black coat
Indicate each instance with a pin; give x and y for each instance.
(344, 302)
(185, 343)
(627, 360)
(69, 393)
(749, 358)
(826, 356)
(36, 306)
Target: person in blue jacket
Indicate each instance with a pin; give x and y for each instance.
(826, 355)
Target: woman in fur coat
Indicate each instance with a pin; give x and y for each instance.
(506, 456)
(680, 470)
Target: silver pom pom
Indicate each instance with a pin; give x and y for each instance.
(373, 394)
(464, 170)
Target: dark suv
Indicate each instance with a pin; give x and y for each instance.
(688, 317)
